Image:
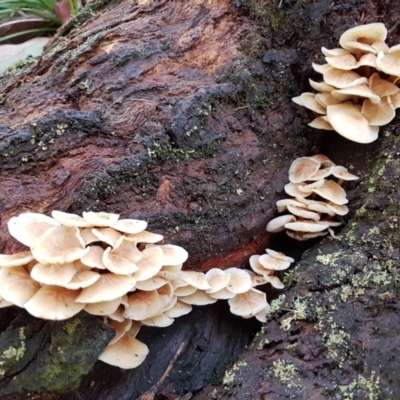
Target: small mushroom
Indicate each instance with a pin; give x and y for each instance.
(248, 304)
(302, 168)
(278, 224)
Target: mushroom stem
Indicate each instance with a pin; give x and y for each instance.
(358, 54)
(392, 78)
(367, 71)
(340, 181)
(354, 99)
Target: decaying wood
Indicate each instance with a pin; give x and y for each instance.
(179, 112)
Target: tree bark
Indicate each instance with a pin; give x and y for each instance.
(179, 112)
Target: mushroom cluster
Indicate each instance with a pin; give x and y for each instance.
(316, 202)
(359, 92)
(115, 269)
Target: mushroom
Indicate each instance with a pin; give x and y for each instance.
(248, 304)
(302, 169)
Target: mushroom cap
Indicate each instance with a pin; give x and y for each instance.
(321, 123)
(382, 87)
(326, 99)
(130, 226)
(308, 100)
(147, 237)
(120, 327)
(334, 52)
(378, 114)
(324, 160)
(257, 267)
(367, 59)
(127, 352)
(306, 226)
(53, 274)
(302, 236)
(279, 255)
(195, 279)
(107, 235)
(28, 227)
(321, 174)
(321, 207)
(185, 290)
(240, 281)
(68, 219)
(100, 219)
(179, 309)
(302, 168)
(54, 302)
(16, 285)
(348, 121)
(153, 283)
(16, 260)
(343, 61)
(270, 262)
(388, 64)
(222, 294)
(103, 307)
(161, 320)
(358, 90)
(87, 236)
(150, 264)
(143, 305)
(274, 280)
(278, 224)
(311, 186)
(108, 287)
(292, 189)
(198, 298)
(4, 303)
(82, 279)
(281, 205)
(333, 192)
(262, 315)
(320, 68)
(173, 255)
(342, 79)
(249, 303)
(321, 86)
(217, 279)
(94, 257)
(338, 209)
(342, 173)
(367, 34)
(59, 245)
(303, 212)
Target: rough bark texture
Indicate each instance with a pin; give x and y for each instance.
(179, 113)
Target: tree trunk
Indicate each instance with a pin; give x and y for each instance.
(179, 112)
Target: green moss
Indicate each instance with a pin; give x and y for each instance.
(287, 373)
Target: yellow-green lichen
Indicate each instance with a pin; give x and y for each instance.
(70, 326)
(287, 373)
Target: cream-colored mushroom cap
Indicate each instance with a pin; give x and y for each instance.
(58, 245)
(344, 61)
(53, 274)
(279, 255)
(123, 259)
(322, 173)
(198, 298)
(367, 60)
(342, 173)
(311, 186)
(172, 254)
(281, 205)
(16, 260)
(257, 267)
(54, 302)
(130, 226)
(333, 192)
(162, 320)
(308, 100)
(305, 226)
(329, 222)
(262, 315)
(324, 160)
(292, 189)
(302, 236)
(107, 235)
(153, 283)
(185, 290)
(366, 34)
(349, 122)
(303, 212)
(222, 294)
(87, 236)
(302, 168)
(382, 87)
(278, 224)
(320, 68)
(68, 219)
(147, 237)
(4, 303)
(321, 86)
(82, 279)
(94, 257)
(321, 207)
(108, 287)
(249, 303)
(143, 305)
(388, 64)
(338, 209)
(217, 279)
(378, 114)
(120, 329)
(326, 99)
(100, 219)
(270, 262)
(150, 264)
(28, 227)
(358, 90)
(334, 52)
(127, 352)
(195, 279)
(274, 280)
(179, 309)
(103, 307)
(321, 123)
(240, 281)
(342, 79)
(16, 285)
